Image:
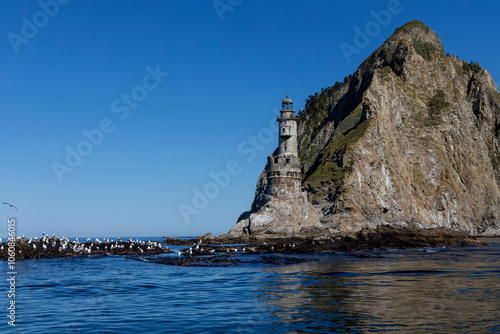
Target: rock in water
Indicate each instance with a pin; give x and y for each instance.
(411, 137)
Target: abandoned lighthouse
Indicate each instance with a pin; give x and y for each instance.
(284, 174)
(280, 207)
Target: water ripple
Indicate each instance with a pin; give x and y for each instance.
(412, 291)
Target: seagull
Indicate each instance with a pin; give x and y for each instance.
(12, 206)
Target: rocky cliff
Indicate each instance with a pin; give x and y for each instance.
(412, 137)
(280, 217)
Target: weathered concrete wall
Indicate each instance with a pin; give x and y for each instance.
(288, 133)
(283, 175)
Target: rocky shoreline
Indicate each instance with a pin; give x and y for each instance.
(223, 251)
(382, 237)
(220, 250)
(52, 247)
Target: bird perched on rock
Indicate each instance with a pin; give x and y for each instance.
(11, 205)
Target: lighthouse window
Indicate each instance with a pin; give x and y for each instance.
(283, 130)
(285, 147)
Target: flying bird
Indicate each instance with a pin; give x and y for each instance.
(12, 206)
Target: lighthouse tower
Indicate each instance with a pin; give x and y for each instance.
(284, 174)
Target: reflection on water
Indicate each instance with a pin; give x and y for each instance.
(428, 290)
(405, 291)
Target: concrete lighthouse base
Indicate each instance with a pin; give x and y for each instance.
(291, 216)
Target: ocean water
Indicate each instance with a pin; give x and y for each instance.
(436, 290)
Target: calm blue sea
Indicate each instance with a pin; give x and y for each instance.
(437, 290)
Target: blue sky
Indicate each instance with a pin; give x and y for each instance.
(228, 68)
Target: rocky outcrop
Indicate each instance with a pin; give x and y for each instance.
(411, 137)
(223, 251)
(27, 249)
(283, 217)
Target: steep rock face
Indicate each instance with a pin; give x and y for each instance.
(280, 217)
(411, 137)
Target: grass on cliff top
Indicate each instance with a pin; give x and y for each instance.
(424, 49)
(472, 67)
(330, 167)
(410, 25)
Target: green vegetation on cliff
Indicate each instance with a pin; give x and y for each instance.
(394, 49)
(315, 113)
(472, 67)
(330, 166)
(410, 25)
(424, 49)
(435, 105)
